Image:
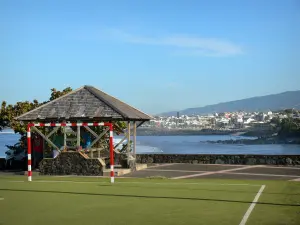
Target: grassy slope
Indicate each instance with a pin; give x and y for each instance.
(145, 202)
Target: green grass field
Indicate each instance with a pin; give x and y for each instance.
(54, 201)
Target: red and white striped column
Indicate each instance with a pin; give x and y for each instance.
(29, 153)
(111, 149)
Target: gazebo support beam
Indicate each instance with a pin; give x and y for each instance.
(118, 128)
(43, 136)
(52, 132)
(134, 138)
(140, 124)
(91, 131)
(100, 136)
(122, 140)
(95, 135)
(133, 130)
(128, 137)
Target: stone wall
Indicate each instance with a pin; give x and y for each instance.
(72, 163)
(291, 160)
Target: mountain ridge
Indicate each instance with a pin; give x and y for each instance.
(283, 100)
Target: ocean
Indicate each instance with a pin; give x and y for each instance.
(183, 145)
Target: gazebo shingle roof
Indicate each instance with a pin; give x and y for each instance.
(85, 103)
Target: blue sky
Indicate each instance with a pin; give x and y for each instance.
(155, 55)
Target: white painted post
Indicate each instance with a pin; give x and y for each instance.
(128, 137)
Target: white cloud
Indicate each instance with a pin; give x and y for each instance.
(189, 45)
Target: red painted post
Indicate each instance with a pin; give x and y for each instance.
(29, 152)
(111, 149)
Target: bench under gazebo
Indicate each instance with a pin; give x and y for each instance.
(92, 112)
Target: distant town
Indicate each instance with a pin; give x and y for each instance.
(226, 122)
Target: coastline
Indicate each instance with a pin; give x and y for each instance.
(258, 141)
(183, 132)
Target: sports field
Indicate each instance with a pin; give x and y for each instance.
(62, 200)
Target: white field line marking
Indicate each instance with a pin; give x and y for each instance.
(263, 174)
(188, 171)
(161, 165)
(199, 164)
(16, 181)
(65, 176)
(251, 207)
(229, 165)
(297, 179)
(125, 182)
(282, 167)
(1, 199)
(215, 172)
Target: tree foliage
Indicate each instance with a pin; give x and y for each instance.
(8, 113)
(289, 128)
(288, 111)
(3, 117)
(276, 121)
(56, 94)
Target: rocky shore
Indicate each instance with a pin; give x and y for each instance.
(180, 132)
(258, 141)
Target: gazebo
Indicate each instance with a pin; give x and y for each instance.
(86, 107)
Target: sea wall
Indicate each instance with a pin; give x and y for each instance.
(287, 160)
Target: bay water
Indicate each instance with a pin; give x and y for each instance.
(183, 145)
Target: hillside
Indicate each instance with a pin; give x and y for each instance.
(290, 99)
